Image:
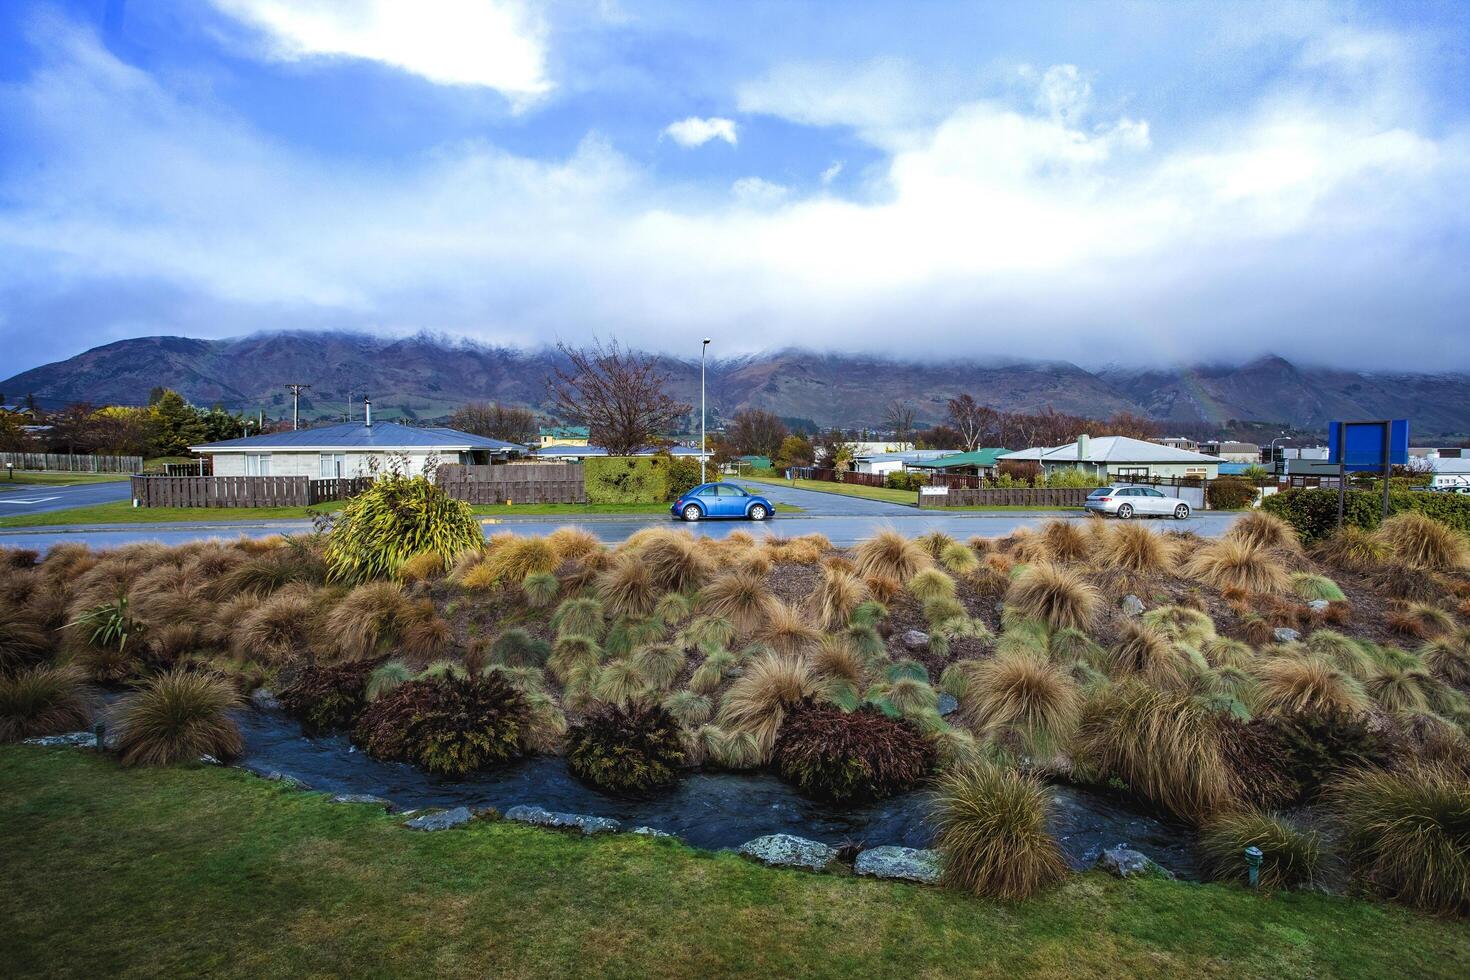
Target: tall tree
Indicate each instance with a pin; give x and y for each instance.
(755, 432)
(177, 425)
(496, 421)
(794, 451)
(617, 393)
(900, 419)
(970, 419)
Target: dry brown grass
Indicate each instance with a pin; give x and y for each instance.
(365, 622)
(674, 560)
(1026, 704)
(1066, 541)
(836, 658)
(756, 703)
(1261, 529)
(573, 542)
(1134, 548)
(1234, 563)
(1054, 595)
(890, 555)
(789, 631)
(178, 717)
(883, 589)
(422, 567)
(1143, 651)
(1424, 543)
(1306, 685)
(279, 627)
(626, 588)
(1420, 620)
(741, 597)
(836, 595)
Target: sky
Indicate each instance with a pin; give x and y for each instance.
(1099, 182)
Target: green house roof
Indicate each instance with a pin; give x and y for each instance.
(566, 431)
(979, 457)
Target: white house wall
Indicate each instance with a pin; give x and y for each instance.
(299, 463)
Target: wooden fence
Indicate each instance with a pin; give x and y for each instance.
(520, 483)
(243, 491)
(1010, 497)
(72, 464)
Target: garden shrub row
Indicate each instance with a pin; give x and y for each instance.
(1313, 512)
(639, 479)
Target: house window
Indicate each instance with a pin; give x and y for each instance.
(334, 466)
(1132, 472)
(1196, 472)
(258, 464)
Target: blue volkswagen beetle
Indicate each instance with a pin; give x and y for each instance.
(721, 500)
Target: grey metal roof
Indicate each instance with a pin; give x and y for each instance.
(356, 435)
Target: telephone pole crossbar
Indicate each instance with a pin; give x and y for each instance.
(296, 390)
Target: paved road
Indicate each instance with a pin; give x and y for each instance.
(37, 500)
(830, 504)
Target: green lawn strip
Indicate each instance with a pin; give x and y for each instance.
(200, 871)
(907, 497)
(55, 478)
(123, 512)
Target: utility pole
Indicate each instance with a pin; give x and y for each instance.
(702, 450)
(296, 390)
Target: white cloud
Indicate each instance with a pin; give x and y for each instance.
(880, 98)
(695, 131)
(831, 173)
(497, 44)
(1315, 221)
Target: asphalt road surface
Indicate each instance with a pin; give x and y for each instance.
(844, 520)
(27, 499)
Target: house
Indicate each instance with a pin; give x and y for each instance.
(977, 462)
(563, 435)
(350, 449)
(1179, 442)
(891, 462)
(575, 454)
(1119, 458)
(1236, 452)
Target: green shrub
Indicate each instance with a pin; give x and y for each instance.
(1315, 748)
(904, 480)
(324, 697)
(178, 717)
(1313, 512)
(395, 519)
(682, 476)
(631, 751)
(846, 757)
(1071, 478)
(626, 479)
(993, 835)
(450, 726)
(1308, 586)
(1291, 856)
(518, 648)
(1229, 493)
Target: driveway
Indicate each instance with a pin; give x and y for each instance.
(27, 499)
(818, 503)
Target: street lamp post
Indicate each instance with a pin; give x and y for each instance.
(1281, 438)
(702, 349)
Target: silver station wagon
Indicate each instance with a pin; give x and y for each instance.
(1125, 502)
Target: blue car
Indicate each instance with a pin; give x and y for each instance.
(721, 500)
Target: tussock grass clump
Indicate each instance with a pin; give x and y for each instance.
(1291, 856)
(1448, 657)
(1233, 563)
(910, 696)
(1309, 685)
(422, 567)
(882, 588)
(1406, 833)
(621, 682)
(626, 588)
(1261, 529)
(741, 597)
(1181, 624)
(1143, 651)
(1066, 541)
(1400, 687)
(44, 700)
(578, 617)
(889, 554)
(516, 647)
(673, 607)
(1350, 548)
(712, 671)
(659, 663)
(23, 640)
(573, 542)
(1309, 586)
(511, 559)
(836, 657)
(280, 627)
(835, 597)
(1134, 548)
(1424, 543)
(959, 559)
(757, 702)
(1343, 652)
(540, 589)
(689, 709)
(1164, 744)
(178, 717)
(708, 633)
(1054, 595)
(1420, 620)
(366, 621)
(675, 561)
(934, 542)
(1026, 705)
(1225, 652)
(993, 835)
(730, 750)
(788, 631)
(385, 678)
(931, 584)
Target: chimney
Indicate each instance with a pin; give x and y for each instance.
(1082, 448)
(367, 411)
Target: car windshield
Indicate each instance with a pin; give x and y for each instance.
(1100, 492)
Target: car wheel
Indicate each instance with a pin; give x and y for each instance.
(1181, 512)
(691, 513)
(758, 512)
(1125, 512)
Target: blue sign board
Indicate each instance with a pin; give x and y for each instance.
(1361, 446)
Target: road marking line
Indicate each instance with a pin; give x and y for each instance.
(30, 500)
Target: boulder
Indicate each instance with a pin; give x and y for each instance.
(80, 740)
(290, 782)
(915, 639)
(444, 820)
(366, 799)
(947, 705)
(787, 851)
(542, 817)
(264, 700)
(901, 863)
(1124, 862)
(1318, 606)
(650, 832)
(1285, 634)
(1132, 605)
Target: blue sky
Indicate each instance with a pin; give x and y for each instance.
(1099, 182)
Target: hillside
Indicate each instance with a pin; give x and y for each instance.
(427, 377)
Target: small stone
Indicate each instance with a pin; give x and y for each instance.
(366, 799)
(1285, 634)
(542, 817)
(947, 705)
(1132, 605)
(1319, 605)
(787, 851)
(915, 639)
(1124, 862)
(290, 782)
(901, 863)
(264, 700)
(457, 817)
(80, 740)
(651, 832)
(210, 760)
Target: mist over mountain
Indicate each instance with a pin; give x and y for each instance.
(427, 377)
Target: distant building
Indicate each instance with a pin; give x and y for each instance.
(1119, 458)
(575, 454)
(563, 435)
(1235, 452)
(978, 462)
(892, 462)
(1179, 442)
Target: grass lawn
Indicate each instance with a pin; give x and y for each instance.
(907, 497)
(123, 512)
(199, 871)
(55, 478)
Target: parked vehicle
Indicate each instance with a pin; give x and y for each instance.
(1125, 502)
(721, 500)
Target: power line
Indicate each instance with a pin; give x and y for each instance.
(296, 390)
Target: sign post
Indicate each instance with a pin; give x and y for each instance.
(1367, 446)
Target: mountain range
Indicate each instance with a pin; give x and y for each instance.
(427, 377)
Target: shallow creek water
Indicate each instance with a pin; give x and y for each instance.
(706, 809)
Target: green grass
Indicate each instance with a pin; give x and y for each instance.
(123, 512)
(54, 478)
(908, 497)
(198, 871)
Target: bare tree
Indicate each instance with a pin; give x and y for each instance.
(900, 418)
(496, 421)
(755, 432)
(617, 393)
(968, 418)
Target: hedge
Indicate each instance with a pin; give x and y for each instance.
(626, 479)
(1230, 493)
(1313, 512)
